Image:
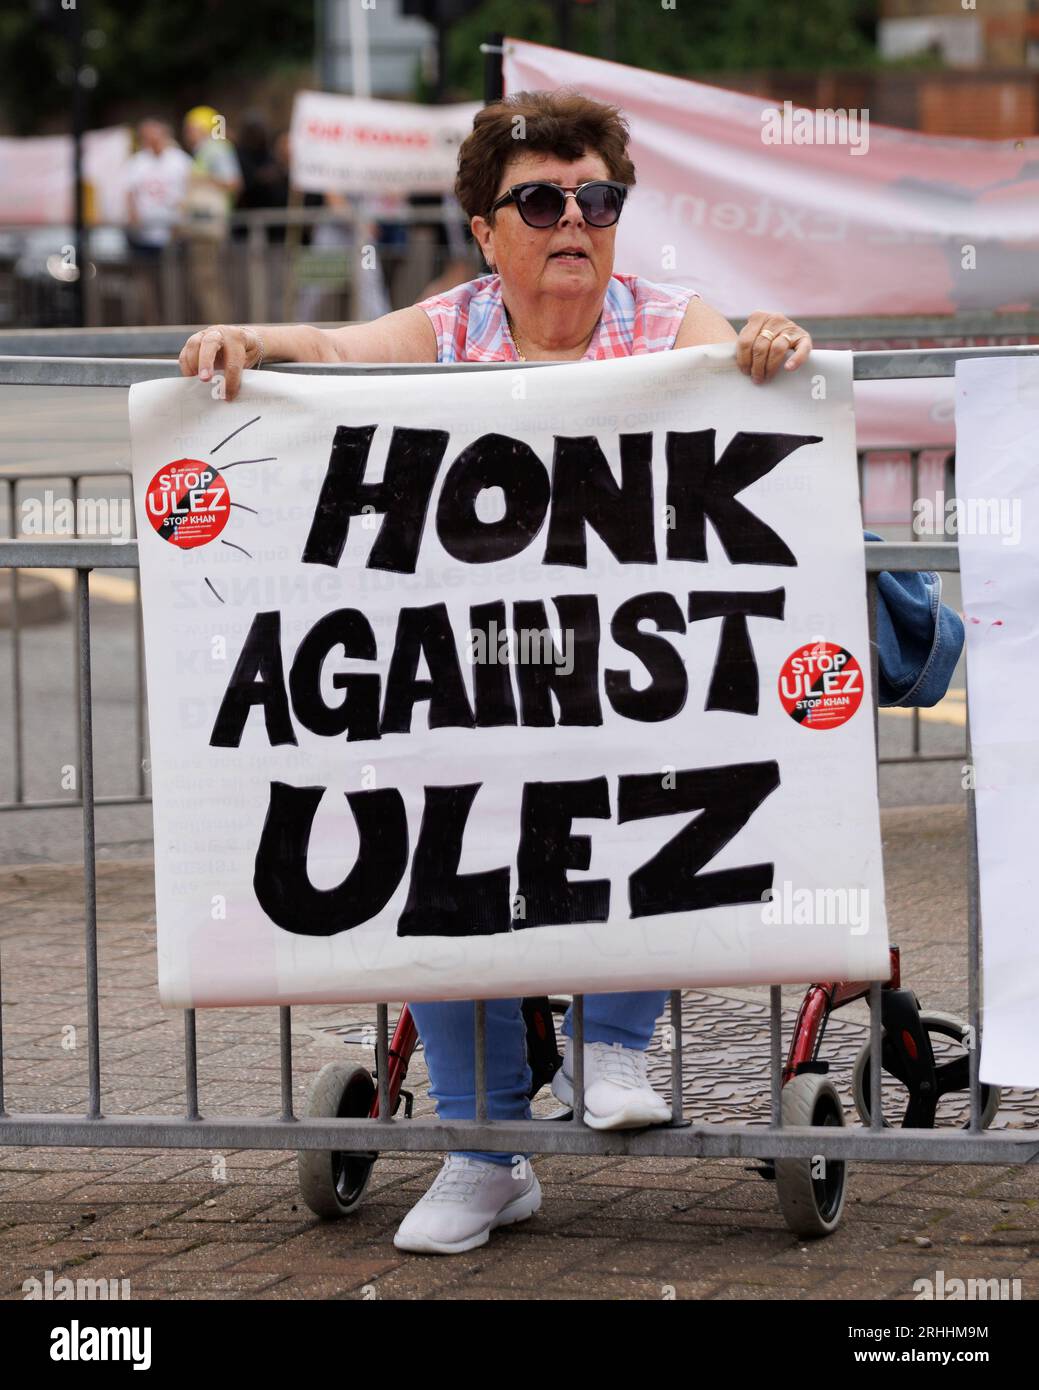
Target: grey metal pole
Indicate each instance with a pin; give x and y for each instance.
(89, 864)
(480, 1057)
(677, 1099)
(190, 1066)
(285, 1040)
(775, 1002)
(382, 1061)
(577, 1019)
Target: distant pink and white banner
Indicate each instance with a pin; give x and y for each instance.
(349, 145)
(902, 224)
(36, 177)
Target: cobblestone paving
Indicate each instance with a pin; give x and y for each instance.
(189, 1224)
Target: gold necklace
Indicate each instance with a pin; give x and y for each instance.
(515, 344)
(512, 334)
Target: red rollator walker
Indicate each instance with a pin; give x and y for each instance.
(915, 1081)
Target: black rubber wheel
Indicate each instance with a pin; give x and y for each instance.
(333, 1184)
(811, 1190)
(941, 1026)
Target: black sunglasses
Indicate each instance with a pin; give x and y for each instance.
(542, 204)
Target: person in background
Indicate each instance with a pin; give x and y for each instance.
(215, 183)
(156, 182)
(265, 180)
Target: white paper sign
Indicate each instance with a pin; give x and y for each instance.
(343, 144)
(997, 485)
(470, 684)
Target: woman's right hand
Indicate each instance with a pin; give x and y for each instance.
(225, 348)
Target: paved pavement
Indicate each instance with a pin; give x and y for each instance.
(202, 1225)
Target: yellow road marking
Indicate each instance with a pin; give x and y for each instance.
(951, 709)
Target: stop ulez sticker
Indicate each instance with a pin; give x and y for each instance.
(188, 503)
(821, 685)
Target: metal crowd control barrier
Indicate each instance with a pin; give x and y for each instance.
(680, 1139)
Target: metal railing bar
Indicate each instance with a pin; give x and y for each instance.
(128, 340)
(577, 1028)
(874, 657)
(140, 688)
(110, 554)
(905, 363)
(127, 371)
(75, 804)
(677, 1098)
(480, 1057)
(775, 1064)
(382, 1060)
(285, 1060)
(876, 1118)
(17, 749)
(190, 1065)
(3, 1110)
(897, 364)
(89, 865)
(428, 1133)
(916, 758)
(32, 553)
(75, 665)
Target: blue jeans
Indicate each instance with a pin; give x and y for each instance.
(446, 1031)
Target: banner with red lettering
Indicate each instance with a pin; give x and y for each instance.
(478, 683)
(761, 205)
(341, 144)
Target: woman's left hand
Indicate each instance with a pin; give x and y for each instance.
(765, 340)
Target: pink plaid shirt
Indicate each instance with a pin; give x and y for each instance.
(637, 316)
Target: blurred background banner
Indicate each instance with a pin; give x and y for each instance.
(342, 144)
(883, 223)
(35, 186)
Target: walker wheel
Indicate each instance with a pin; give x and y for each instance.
(811, 1190)
(332, 1183)
(951, 1052)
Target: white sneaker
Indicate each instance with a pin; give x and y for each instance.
(617, 1093)
(469, 1197)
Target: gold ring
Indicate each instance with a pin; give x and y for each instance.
(766, 333)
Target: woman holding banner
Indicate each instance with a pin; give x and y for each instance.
(543, 178)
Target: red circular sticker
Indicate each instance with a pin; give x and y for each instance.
(188, 503)
(821, 685)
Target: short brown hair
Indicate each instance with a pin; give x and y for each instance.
(564, 123)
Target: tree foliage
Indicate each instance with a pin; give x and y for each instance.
(182, 49)
(159, 49)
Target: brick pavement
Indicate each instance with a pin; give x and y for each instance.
(189, 1224)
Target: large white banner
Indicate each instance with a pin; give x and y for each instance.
(487, 683)
(997, 521)
(354, 145)
(762, 205)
